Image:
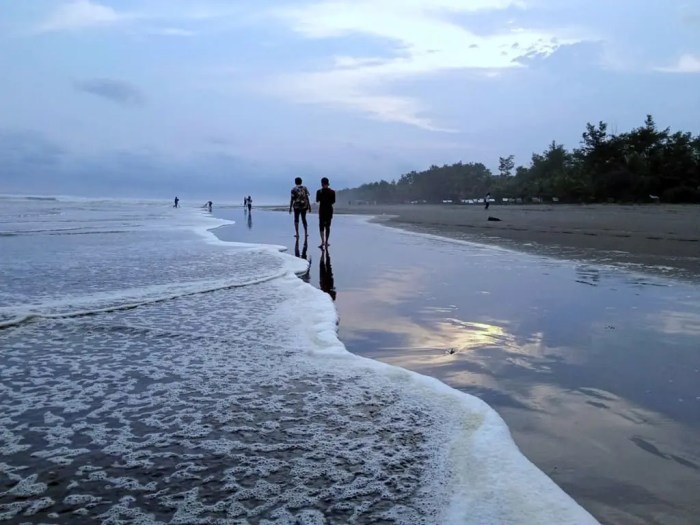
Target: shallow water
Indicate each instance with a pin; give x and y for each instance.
(595, 368)
(152, 374)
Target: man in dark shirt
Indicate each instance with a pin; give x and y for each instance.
(325, 197)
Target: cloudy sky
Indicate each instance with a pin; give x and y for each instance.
(223, 98)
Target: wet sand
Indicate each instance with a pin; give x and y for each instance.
(660, 236)
(595, 369)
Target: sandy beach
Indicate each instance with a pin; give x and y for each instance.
(666, 236)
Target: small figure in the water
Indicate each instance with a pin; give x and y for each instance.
(250, 203)
(176, 202)
(208, 205)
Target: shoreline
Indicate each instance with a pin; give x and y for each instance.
(661, 239)
(546, 344)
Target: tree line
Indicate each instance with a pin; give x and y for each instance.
(642, 165)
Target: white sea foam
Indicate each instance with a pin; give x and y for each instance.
(80, 278)
(491, 481)
(238, 403)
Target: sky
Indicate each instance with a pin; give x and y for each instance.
(221, 99)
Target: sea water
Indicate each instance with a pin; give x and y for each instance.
(154, 374)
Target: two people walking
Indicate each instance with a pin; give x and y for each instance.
(300, 203)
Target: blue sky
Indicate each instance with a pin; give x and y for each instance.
(224, 98)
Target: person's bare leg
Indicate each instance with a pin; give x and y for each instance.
(328, 234)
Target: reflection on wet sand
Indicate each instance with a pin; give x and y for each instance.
(554, 385)
(304, 250)
(677, 322)
(303, 254)
(325, 274)
(594, 369)
(370, 310)
(625, 483)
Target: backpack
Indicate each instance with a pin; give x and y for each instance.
(301, 198)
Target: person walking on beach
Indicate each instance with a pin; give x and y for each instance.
(487, 201)
(250, 203)
(176, 202)
(325, 197)
(301, 203)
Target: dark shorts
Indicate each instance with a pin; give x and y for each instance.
(298, 212)
(324, 219)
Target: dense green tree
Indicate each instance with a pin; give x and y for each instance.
(506, 165)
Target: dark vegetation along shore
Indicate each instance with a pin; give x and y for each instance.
(645, 164)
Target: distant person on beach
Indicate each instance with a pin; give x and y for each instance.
(250, 203)
(300, 202)
(487, 201)
(208, 205)
(176, 202)
(325, 197)
(245, 202)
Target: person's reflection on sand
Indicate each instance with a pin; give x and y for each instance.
(303, 249)
(250, 220)
(325, 274)
(302, 255)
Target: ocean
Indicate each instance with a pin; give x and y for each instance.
(152, 373)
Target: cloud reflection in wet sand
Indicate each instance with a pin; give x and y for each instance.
(677, 322)
(554, 383)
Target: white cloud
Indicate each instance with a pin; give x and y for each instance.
(172, 31)
(687, 63)
(84, 14)
(354, 89)
(423, 41)
(79, 14)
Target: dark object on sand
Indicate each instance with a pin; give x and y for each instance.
(493, 218)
